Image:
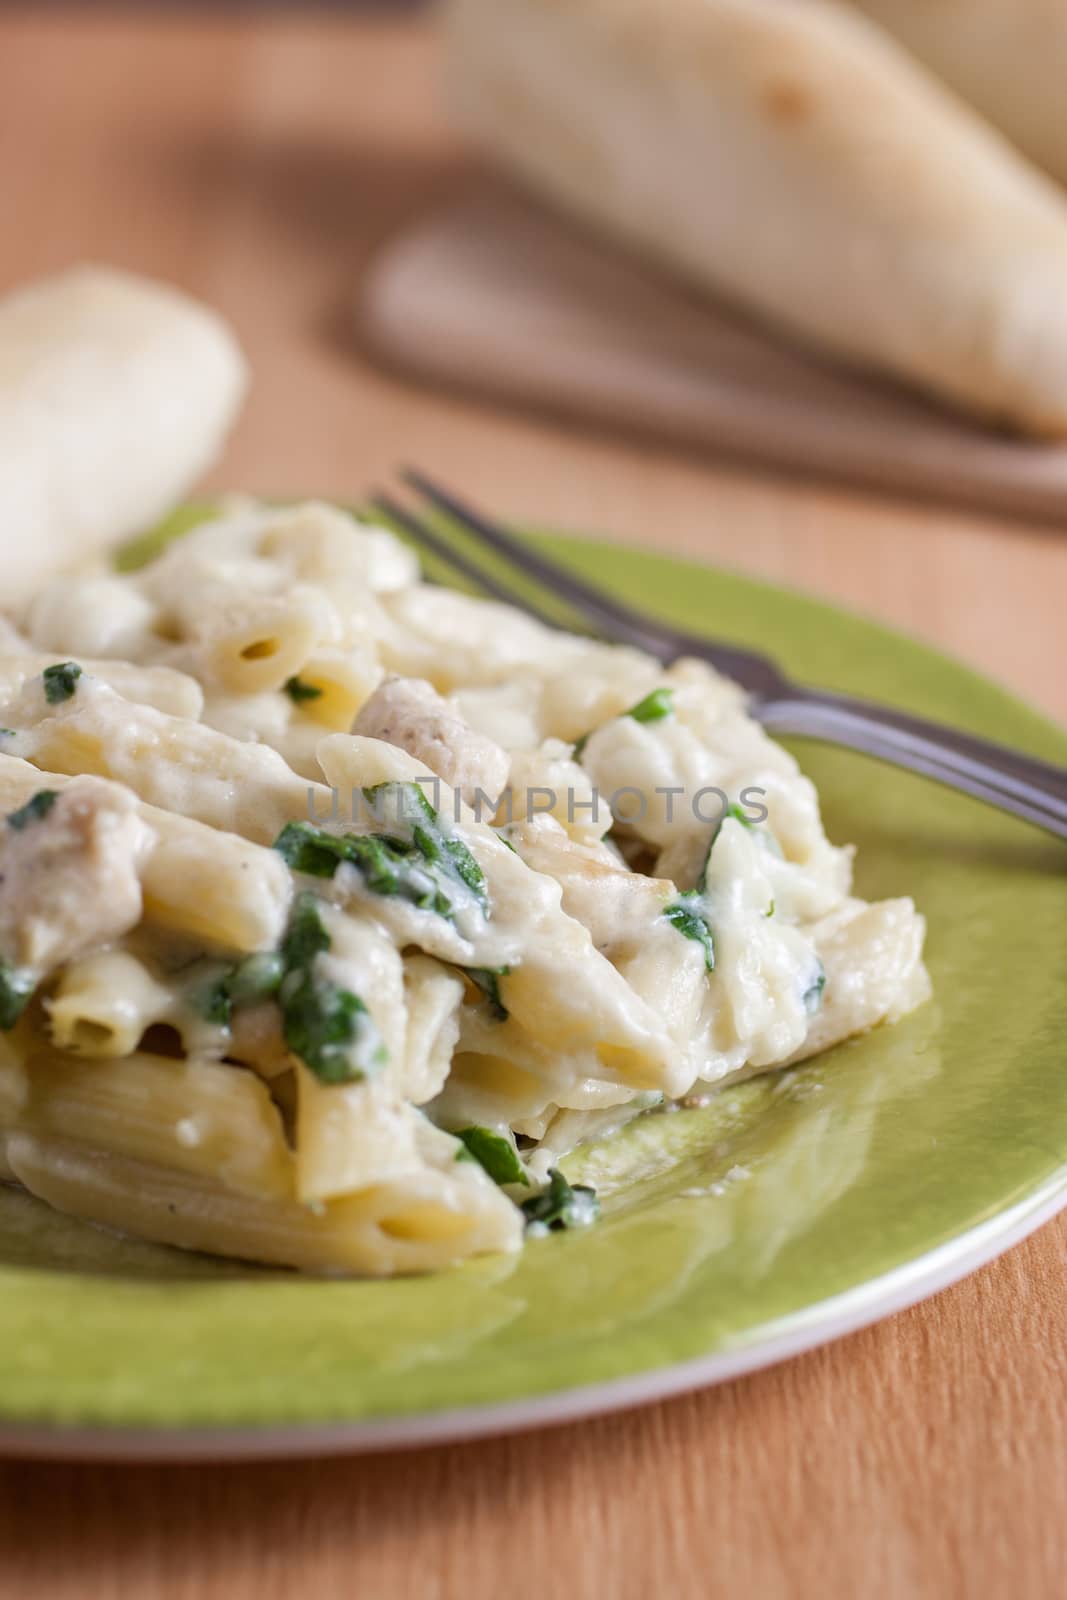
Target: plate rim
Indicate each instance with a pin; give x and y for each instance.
(822, 1324)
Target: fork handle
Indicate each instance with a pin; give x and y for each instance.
(1020, 784)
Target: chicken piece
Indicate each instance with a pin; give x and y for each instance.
(69, 873)
(409, 713)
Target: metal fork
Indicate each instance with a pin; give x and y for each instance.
(1017, 783)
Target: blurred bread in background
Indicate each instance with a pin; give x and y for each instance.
(1007, 57)
(116, 394)
(792, 157)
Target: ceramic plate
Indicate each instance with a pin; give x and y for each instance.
(792, 1209)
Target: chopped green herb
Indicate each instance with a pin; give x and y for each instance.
(401, 803)
(306, 936)
(488, 981)
(394, 869)
(35, 810)
(770, 910)
(16, 992)
(210, 999)
(437, 846)
(562, 1205)
(580, 744)
(216, 992)
(7, 733)
(305, 848)
(256, 978)
(426, 869)
(299, 692)
(327, 1027)
(60, 681)
(813, 993)
(654, 707)
(687, 914)
(330, 1029)
(467, 870)
(495, 1152)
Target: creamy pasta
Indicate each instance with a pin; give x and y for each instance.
(337, 907)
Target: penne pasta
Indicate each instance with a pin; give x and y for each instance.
(421, 1224)
(104, 1005)
(192, 1116)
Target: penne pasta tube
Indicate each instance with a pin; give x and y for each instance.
(433, 997)
(422, 1224)
(213, 886)
(193, 1116)
(104, 1005)
(350, 1136)
(250, 646)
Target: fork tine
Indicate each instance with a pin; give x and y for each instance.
(425, 536)
(611, 617)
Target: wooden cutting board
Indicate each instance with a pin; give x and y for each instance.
(495, 295)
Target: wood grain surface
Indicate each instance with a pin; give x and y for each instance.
(260, 162)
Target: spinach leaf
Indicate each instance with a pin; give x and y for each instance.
(488, 981)
(306, 936)
(210, 998)
(299, 692)
(313, 851)
(495, 1152)
(216, 992)
(421, 864)
(433, 842)
(689, 916)
(330, 1029)
(60, 681)
(561, 1205)
(256, 978)
(35, 810)
(391, 867)
(654, 707)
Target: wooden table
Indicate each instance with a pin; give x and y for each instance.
(258, 163)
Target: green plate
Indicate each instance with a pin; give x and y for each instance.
(789, 1211)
